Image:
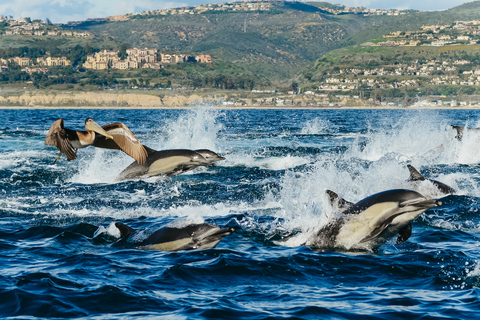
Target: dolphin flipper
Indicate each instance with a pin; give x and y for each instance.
(379, 229)
(404, 233)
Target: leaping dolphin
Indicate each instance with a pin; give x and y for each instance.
(371, 222)
(167, 162)
(192, 237)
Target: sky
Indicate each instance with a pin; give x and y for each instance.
(62, 11)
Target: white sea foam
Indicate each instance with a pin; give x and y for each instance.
(20, 160)
(316, 126)
(410, 138)
(475, 271)
(97, 165)
(258, 160)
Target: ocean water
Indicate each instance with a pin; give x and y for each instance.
(60, 255)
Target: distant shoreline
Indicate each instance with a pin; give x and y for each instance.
(237, 108)
(218, 99)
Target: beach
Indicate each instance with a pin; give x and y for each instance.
(30, 98)
(180, 99)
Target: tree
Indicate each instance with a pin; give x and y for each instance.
(122, 51)
(293, 86)
(133, 83)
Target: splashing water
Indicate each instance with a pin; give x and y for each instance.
(317, 126)
(198, 128)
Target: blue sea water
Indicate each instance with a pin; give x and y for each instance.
(60, 256)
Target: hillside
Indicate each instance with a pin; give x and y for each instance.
(291, 36)
(439, 59)
(261, 44)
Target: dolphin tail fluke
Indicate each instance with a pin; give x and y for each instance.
(414, 174)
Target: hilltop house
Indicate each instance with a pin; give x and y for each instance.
(52, 62)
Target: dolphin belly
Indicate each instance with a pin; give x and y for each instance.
(166, 165)
(175, 245)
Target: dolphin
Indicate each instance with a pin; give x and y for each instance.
(417, 176)
(461, 129)
(371, 222)
(343, 205)
(191, 237)
(164, 162)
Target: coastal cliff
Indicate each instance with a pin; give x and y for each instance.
(95, 99)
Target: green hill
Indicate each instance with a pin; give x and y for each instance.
(286, 42)
(274, 44)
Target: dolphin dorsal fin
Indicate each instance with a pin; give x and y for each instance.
(414, 174)
(334, 198)
(149, 150)
(125, 230)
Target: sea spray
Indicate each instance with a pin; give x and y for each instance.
(317, 126)
(196, 128)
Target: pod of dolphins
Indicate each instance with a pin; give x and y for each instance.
(365, 225)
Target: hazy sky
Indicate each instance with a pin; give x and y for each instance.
(59, 11)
